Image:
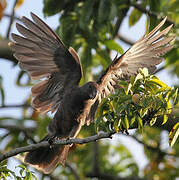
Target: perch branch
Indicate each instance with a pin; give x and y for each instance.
(32, 147)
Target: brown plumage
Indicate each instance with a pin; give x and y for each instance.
(42, 54)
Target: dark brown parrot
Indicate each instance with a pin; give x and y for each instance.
(43, 55)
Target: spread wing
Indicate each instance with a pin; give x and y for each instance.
(146, 52)
(43, 55)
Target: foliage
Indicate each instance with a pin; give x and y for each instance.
(92, 28)
(141, 100)
(174, 133)
(25, 174)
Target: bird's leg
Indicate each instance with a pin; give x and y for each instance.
(52, 139)
(74, 132)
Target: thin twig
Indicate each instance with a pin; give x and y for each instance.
(17, 128)
(25, 130)
(10, 16)
(32, 147)
(121, 18)
(152, 148)
(159, 69)
(11, 20)
(73, 171)
(15, 106)
(150, 13)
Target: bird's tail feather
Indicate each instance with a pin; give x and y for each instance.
(47, 158)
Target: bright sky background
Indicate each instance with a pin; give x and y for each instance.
(17, 95)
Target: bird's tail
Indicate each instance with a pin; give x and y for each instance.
(47, 158)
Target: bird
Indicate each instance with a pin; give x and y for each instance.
(44, 56)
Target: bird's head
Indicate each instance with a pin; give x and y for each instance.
(90, 90)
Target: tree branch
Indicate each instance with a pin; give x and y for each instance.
(32, 147)
(5, 51)
(150, 13)
(167, 126)
(15, 106)
(25, 130)
(104, 176)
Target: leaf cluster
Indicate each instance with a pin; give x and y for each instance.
(24, 172)
(140, 101)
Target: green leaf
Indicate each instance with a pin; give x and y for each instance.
(169, 107)
(165, 118)
(105, 58)
(129, 88)
(139, 76)
(144, 72)
(156, 81)
(67, 28)
(173, 135)
(126, 122)
(112, 45)
(87, 11)
(21, 172)
(134, 17)
(152, 121)
(20, 77)
(116, 125)
(140, 123)
(175, 97)
(132, 120)
(52, 7)
(2, 92)
(86, 57)
(104, 10)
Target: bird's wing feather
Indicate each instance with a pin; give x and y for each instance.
(146, 52)
(43, 55)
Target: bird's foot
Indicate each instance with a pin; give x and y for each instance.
(68, 138)
(52, 139)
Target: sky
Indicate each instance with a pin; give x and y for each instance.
(17, 95)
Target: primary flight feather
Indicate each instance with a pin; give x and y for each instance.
(43, 55)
